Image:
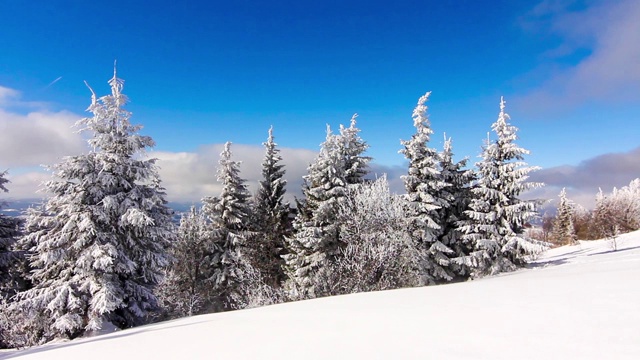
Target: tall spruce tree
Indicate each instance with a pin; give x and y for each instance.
(100, 243)
(316, 243)
(458, 195)
(316, 238)
(563, 230)
(185, 290)
(11, 278)
(229, 216)
(271, 218)
(352, 148)
(426, 194)
(497, 215)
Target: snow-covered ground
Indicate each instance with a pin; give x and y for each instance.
(575, 302)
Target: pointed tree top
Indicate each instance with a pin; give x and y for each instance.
(420, 118)
(328, 131)
(94, 98)
(447, 143)
(225, 155)
(3, 181)
(270, 143)
(503, 103)
(353, 120)
(116, 83)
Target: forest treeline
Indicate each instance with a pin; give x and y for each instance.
(103, 251)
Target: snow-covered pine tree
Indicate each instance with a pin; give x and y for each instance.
(3, 180)
(458, 195)
(426, 194)
(617, 212)
(605, 222)
(229, 216)
(563, 230)
(379, 253)
(185, 290)
(316, 238)
(352, 148)
(100, 245)
(11, 279)
(271, 218)
(497, 215)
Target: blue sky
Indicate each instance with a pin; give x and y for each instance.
(202, 73)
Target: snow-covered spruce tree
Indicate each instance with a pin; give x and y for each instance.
(11, 278)
(184, 290)
(316, 239)
(617, 212)
(271, 218)
(12, 274)
(353, 148)
(605, 223)
(100, 245)
(497, 215)
(426, 194)
(563, 230)
(458, 195)
(229, 216)
(379, 253)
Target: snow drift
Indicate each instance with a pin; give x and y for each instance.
(580, 302)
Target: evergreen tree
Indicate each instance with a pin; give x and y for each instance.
(185, 290)
(100, 243)
(458, 196)
(618, 212)
(229, 217)
(352, 148)
(379, 254)
(271, 218)
(497, 215)
(563, 230)
(9, 277)
(316, 240)
(604, 218)
(426, 194)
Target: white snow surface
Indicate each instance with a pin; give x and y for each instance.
(574, 302)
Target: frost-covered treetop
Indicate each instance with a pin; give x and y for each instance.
(272, 186)
(447, 149)
(507, 135)
(420, 117)
(112, 131)
(270, 140)
(3, 181)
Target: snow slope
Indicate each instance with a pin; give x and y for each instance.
(575, 302)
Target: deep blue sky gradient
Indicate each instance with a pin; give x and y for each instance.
(207, 72)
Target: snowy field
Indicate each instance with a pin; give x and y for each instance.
(576, 302)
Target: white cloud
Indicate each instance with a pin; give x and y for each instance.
(26, 185)
(584, 180)
(190, 176)
(609, 31)
(39, 137)
(7, 95)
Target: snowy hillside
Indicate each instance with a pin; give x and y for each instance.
(577, 302)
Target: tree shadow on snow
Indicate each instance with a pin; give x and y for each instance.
(615, 251)
(114, 335)
(547, 263)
